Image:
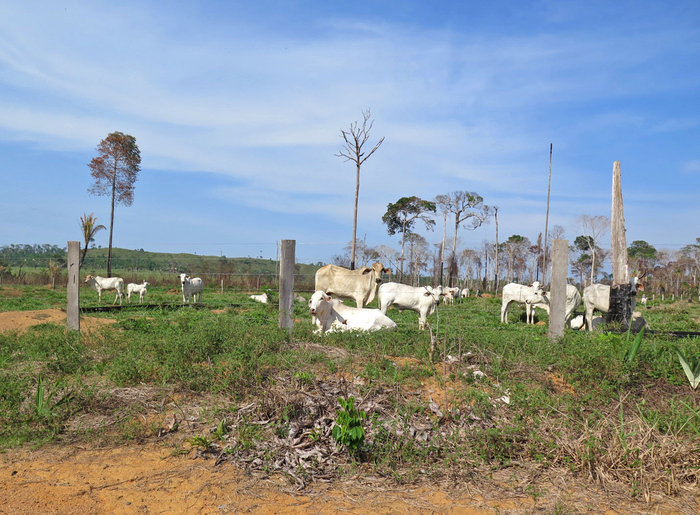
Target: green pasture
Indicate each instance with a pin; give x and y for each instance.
(585, 403)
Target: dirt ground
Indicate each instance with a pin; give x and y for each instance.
(153, 479)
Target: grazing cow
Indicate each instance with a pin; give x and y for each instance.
(359, 285)
(191, 288)
(332, 315)
(520, 294)
(464, 293)
(597, 296)
(141, 289)
(643, 301)
(573, 301)
(261, 298)
(106, 283)
(423, 300)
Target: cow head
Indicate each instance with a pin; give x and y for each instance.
(184, 278)
(319, 302)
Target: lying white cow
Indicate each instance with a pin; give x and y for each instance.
(332, 315)
(141, 289)
(191, 288)
(261, 298)
(359, 285)
(521, 294)
(99, 284)
(573, 301)
(423, 300)
(597, 297)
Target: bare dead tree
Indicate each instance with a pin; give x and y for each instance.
(355, 139)
(593, 229)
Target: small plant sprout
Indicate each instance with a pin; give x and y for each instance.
(691, 367)
(348, 428)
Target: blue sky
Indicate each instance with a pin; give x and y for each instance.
(237, 109)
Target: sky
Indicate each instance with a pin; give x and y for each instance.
(237, 108)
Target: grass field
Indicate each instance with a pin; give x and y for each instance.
(494, 395)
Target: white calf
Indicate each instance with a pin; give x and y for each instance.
(261, 298)
(451, 294)
(520, 294)
(423, 300)
(191, 288)
(106, 283)
(332, 315)
(573, 301)
(141, 289)
(597, 297)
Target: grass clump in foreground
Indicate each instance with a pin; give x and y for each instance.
(498, 395)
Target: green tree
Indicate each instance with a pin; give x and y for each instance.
(115, 171)
(89, 227)
(641, 249)
(402, 215)
(355, 139)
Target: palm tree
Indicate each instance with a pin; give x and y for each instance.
(88, 224)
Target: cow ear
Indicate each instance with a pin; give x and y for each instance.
(387, 270)
(427, 294)
(366, 270)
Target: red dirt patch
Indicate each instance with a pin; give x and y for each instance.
(23, 320)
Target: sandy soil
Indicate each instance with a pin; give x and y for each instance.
(152, 479)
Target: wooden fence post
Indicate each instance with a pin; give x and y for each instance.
(557, 301)
(73, 306)
(286, 304)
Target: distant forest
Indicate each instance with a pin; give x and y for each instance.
(13, 257)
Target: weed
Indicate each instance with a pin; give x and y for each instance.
(348, 429)
(691, 367)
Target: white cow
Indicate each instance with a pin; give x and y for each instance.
(597, 296)
(299, 298)
(332, 315)
(106, 283)
(520, 294)
(359, 285)
(643, 301)
(464, 293)
(423, 300)
(261, 298)
(573, 301)
(451, 294)
(191, 288)
(141, 289)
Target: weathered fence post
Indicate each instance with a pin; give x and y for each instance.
(621, 290)
(73, 306)
(287, 260)
(557, 301)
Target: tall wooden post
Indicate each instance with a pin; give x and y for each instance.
(287, 260)
(557, 301)
(621, 290)
(73, 305)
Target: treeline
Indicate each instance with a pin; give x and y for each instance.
(21, 261)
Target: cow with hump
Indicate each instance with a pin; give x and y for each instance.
(359, 285)
(423, 300)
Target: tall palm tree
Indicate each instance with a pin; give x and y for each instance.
(88, 224)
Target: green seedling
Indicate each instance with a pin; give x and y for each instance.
(348, 428)
(691, 367)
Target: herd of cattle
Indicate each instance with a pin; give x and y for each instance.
(333, 283)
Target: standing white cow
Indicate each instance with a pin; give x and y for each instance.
(99, 284)
(332, 315)
(573, 301)
(597, 297)
(520, 294)
(423, 300)
(359, 285)
(451, 294)
(141, 289)
(191, 288)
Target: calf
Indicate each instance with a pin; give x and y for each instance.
(106, 283)
(423, 300)
(521, 294)
(597, 297)
(332, 315)
(191, 288)
(451, 294)
(141, 289)
(573, 301)
(261, 298)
